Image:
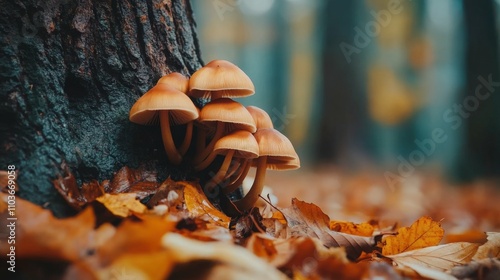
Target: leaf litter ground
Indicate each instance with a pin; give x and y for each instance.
(133, 227)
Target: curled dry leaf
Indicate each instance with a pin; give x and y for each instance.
(422, 233)
(122, 204)
(490, 249)
(307, 219)
(433, 261)
(184, 250)
(198, 205)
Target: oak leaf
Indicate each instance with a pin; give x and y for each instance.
(122, 204)
(490, 249)
(422, 233)
(307, 219)
(433, 261)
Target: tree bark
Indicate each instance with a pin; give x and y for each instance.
(70, 71)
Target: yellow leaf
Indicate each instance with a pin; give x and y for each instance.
(122, 204)
(423, 233)
(432, 261)
(198, 205)
(490, 249)
(363, 229)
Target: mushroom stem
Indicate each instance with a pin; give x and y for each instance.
(252, 196)
(238, 179)
(187, 139)
(219, 132)
(221, 174)
(168, 142)
(235, 167)
(201, 140)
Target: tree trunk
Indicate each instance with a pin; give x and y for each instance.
(70, 71)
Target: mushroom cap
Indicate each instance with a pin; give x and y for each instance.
(220, 78)
(279, 150)
(260, 117)
(163, 97)
(175, 80)
(232, 113)
(241, 141)
(276, 164)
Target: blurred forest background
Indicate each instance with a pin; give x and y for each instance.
(394, 86)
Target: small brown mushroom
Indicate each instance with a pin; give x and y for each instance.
(167, 105)
(261, 118)
(175, 80)
(240, 144)
(218, 79)
(278, 150)
(227, 115)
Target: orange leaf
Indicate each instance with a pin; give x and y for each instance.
(363, 229)
(198, 205)
(423, 233)
(122, 204)
(40, 235)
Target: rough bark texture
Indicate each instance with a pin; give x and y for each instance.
(70, 71)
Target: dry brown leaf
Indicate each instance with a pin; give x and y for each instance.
(307, 219)
(490, 249)
(363, 229)
(40, 235)
(184, 250)
(122, 204)
(422, 233)
(126, 178)
(199, 206)
(433, 261)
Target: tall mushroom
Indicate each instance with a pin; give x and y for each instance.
(167, 105)
(226, 115)
(276, 149)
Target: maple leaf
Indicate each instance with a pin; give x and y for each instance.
(490, 249)
(422, 233)
(433, 261)
(307, 219)
(122, 204)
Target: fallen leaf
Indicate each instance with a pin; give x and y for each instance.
(482, 269)
(185, 250)
(122, 204)
(472, 236)
(307, 219)
(198, 205)
(433, 261)
(490, 249)
(147, 266)
(363, 229)
(135, 237)
(126, 178)
(40, 235)
(422, 233)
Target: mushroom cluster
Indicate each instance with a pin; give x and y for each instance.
(243, 137)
